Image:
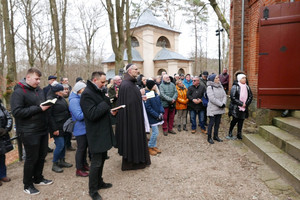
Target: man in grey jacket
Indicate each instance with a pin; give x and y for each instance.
(168, 96)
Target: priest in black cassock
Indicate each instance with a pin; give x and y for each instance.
(130, 129)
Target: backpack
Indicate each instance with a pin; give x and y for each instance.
(205, 99)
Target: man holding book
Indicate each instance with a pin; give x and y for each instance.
(32, 124)
(95, 106)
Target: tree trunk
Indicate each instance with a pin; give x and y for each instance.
(63, 39)
(2, 49)
(118, 47)
(221, 17)
(196, 47)
(128, 35)
(11, 63)
(54, 16)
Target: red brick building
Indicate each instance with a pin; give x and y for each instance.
(284, 13)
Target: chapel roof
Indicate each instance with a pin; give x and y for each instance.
(136, 56)
(166, 54)
(147, 18)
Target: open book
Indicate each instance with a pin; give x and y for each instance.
(150, 94)
(49, 102)
(118, 108)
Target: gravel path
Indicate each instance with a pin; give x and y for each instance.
(188, 168)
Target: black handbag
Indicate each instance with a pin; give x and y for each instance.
(68, 126)
(5, 144)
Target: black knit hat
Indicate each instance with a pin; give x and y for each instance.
(150, 84)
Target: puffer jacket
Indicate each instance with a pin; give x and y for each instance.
(154, 108)
(58, 114)
(6, 123)
(182, 100)
(217, 97)
(168, 92)
(25, 106)
(235, 102)
(77, 115)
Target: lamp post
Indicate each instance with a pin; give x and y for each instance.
(218, 33)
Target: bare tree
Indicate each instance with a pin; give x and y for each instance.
(3, 53)
(220, 15)
(196, 14)
(11, 76)
(168, 10)
(60, 45)
(91, 21)
(27, 10)
(118, 45)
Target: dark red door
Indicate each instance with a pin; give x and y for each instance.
(279, 57)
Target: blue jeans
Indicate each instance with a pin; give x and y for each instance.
(200, 114)
(60, 150)
(2, 166)
(152, 142)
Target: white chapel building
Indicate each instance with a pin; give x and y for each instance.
(154, 49)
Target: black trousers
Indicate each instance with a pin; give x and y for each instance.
(96, 170)
(240, 124)
(81, 151)
(68, 142)
(36, 146)
(214, 121)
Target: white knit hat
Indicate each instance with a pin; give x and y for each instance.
(240, 76)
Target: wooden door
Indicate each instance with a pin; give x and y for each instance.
(279, 57)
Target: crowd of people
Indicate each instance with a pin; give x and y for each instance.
(95, 109)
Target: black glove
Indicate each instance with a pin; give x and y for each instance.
(223, 106)
(160, 117)
(3, 131)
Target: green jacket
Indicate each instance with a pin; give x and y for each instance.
(168, 92)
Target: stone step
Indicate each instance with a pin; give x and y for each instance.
(283, 164)
(296, 113)
(288, 124)
(281, 139)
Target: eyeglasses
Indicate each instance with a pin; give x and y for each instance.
(195, 80)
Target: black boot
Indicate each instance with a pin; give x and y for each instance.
(209, 139)
(239, 136)
(63, 163)
(184, 127)
(179, 128)
(56, 168)
(230, 133)
(216, 137)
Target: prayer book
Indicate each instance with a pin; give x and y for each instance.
(49, 102)
(118, 108)
(150, 94)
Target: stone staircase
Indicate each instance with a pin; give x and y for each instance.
(278, 145)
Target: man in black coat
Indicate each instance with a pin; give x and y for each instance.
(97, 116)
(46, 89)
(194, 94)
(130, 128)
(31, 125)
